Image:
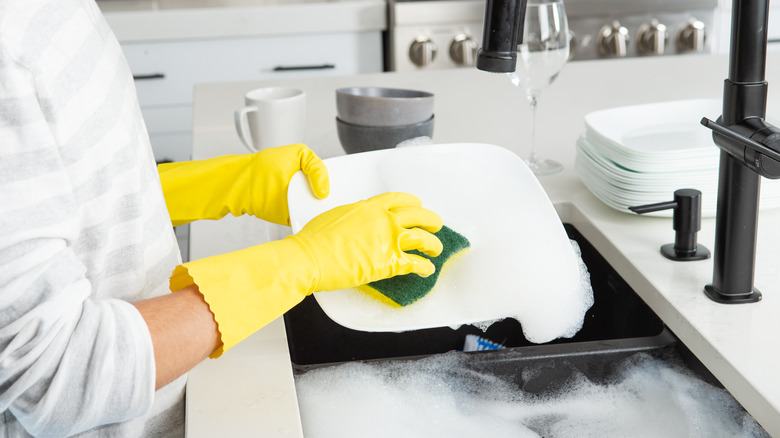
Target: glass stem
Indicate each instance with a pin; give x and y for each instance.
(532, 102)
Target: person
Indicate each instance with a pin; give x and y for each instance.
(93, 342)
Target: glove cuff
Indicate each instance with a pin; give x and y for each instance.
(247, 289)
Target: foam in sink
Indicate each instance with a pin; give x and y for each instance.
(441, 396)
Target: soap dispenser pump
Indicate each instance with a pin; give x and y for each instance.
(686, 221)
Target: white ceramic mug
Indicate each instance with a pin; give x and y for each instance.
(273, 116)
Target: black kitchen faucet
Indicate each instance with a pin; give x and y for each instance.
(750, 147)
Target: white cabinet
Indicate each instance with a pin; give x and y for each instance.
(166, 72)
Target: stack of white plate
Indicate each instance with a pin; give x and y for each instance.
(641, 154)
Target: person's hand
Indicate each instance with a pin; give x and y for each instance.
(368, 241)
(250, 183)
(270, 174)
(345, 247)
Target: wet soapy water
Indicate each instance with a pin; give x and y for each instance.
(441, 397)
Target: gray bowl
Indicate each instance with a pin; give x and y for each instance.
(358, 138)
(374, 106)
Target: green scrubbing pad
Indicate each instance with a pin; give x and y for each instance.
(403, 290)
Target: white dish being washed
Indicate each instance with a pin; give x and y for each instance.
(521, 263)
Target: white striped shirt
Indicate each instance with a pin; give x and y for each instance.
(83, 232)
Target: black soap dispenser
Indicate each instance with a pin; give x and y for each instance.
(686, 221)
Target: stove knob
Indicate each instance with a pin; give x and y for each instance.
(423, 51)
(463, 50)
(652, 38)
(691, 37)
(613, 40)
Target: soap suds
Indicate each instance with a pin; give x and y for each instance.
(439, 396)
(545, 323)
(548, 316)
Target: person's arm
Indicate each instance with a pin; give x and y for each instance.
(181, 325)
(345, 247)
(79, 239)
(274, 277)
(183, 332)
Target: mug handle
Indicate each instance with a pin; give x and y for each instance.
(241, 126)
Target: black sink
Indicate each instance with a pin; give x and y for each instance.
(617, 315)
(618, 329)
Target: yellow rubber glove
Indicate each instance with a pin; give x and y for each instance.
(249, 183)
(345, 247)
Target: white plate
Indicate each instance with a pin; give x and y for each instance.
(622, 196)
(657, 181)
(641, 154)
(521, 263)
(704, 159)
(621, 189)
(665, 129)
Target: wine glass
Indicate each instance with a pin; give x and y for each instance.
(541, 56)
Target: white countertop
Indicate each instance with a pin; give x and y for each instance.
(736, 342)
(165, 20)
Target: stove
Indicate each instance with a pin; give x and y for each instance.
(436, 34)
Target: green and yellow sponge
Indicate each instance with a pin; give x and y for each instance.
(404, 290)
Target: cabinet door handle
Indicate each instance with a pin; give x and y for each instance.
(149, 76)
(303, 67)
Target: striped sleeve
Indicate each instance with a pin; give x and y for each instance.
(72, 234)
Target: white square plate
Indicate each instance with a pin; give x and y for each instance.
(666, 129)
(521, 263)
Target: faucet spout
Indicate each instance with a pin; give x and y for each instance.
(503, 31)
